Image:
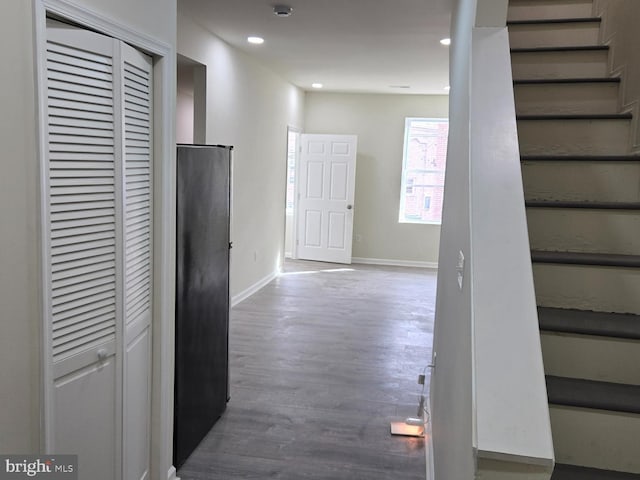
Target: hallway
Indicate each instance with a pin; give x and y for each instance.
(322, 359)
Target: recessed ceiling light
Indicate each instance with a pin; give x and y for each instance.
(316, 85)
(445, 41)
(255, 40)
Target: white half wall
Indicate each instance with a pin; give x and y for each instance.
(452, 416)
(489, 416)
(249, 107)
(378, 121)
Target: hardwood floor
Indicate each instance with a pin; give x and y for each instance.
(322, 359)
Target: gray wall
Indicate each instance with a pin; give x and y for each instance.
(249, 107)
(378, 121)
(19, 282)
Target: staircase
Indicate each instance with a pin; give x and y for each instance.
(582, 193)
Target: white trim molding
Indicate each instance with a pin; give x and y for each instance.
(394, 262)
(105, 25)
(247, 292)
(172, 474)
(428, 447)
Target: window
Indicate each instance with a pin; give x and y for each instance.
(423, 166)
(292, 145)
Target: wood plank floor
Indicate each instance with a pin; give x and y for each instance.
(322, 359)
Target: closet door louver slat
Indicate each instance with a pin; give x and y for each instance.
(137, 210)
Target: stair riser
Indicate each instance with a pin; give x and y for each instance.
(589, 98)
(587, 287)
(594, 358)
(570, 64)
(574, 137)
(596, 438)
(583, 230)
(489, 469)
(554, 35)
(528, 9)
(598, 181)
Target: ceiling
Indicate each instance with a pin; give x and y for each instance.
(363, 46)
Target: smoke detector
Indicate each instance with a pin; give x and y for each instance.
(282, 10)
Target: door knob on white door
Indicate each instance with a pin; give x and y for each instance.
(102, 354)
(349, 207)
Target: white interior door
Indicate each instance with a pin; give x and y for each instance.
(97, 229)
(326, 191)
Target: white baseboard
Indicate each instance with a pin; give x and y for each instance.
(394, 263)
(288, 254)
(246, 293)
(172, 474)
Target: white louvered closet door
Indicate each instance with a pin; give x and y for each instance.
(137, 103)
(98, 261)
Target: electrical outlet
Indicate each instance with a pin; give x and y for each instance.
(460, 269)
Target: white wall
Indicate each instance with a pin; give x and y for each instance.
(249, 107)
(378, 121)
(184, 104)
(19, 292)
(451, 381)
(20, 296)
(620, 29)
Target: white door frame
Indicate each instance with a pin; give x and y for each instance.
(164, 56)
(294, 227)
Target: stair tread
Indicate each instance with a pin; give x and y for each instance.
(584, 322)
(542, 21)
(585, 258)
(577, 392)
(580, 158)
(576, 116)
(574, 472)
(583, 205)
(571, 48)
(546, 81)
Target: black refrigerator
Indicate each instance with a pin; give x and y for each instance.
(202, 293)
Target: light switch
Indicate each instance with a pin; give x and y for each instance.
(460, 268)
